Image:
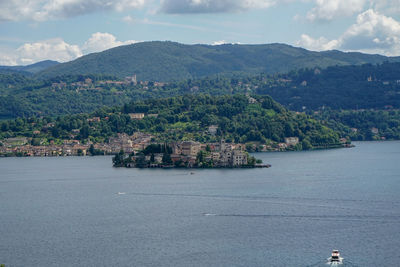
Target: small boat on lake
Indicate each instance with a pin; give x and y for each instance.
(335, 258)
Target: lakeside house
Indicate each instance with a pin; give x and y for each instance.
(21, 146)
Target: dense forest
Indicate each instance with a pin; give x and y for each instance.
(237, 118)
(346, 87)
(170, 61)
(345, 97)
(363, 125)
(22, 96)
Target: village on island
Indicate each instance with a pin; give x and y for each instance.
(189, 154)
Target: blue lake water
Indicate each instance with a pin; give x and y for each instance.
(79, 211)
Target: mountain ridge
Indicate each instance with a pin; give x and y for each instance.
(171, 61)
(29, 69)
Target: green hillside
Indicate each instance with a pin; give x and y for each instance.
(345, 87)
(169, 61)
(363, 124)
(237, 118)
(340, 87)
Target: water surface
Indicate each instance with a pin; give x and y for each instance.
(79, 211)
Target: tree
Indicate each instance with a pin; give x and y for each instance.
(94, 151)
(166, 159)
(80, 152)
(200, 158)
(35, 142)
(251, 160)
(306, 144)
(118, 159)
(91, 150)
(55, 132)
(84, 132)
(141, 161)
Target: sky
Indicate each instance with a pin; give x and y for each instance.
(63, 30)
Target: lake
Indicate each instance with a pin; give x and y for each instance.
(80, 211)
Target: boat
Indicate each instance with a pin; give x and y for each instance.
(335, 258)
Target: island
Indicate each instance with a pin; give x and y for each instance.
(189, 154)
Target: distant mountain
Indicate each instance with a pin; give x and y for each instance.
(170, 61)
(29, 69)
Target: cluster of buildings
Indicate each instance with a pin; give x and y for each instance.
(185, 154)
(21, 146)
(128, 143)
(69, 148)
(289, 144)
(220, 154)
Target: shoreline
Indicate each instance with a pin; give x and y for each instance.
(21, 154)
(196, 167)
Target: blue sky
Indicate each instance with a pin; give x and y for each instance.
(62, 30)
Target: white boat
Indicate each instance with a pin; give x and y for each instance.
(335, 258)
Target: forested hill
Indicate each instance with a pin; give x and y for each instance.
(170, 61)
(340, 87)
(236, 118)
(345, 87)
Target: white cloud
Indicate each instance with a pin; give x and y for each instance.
(319, 44)
(53, 49)
(219, 42)
(41, 10)
(57, 49)
(372, 33)
(222, 42)
(212, 6)
(322, 10)
(328, 9)
(13, 10)
(102, 41)
(7, 59)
